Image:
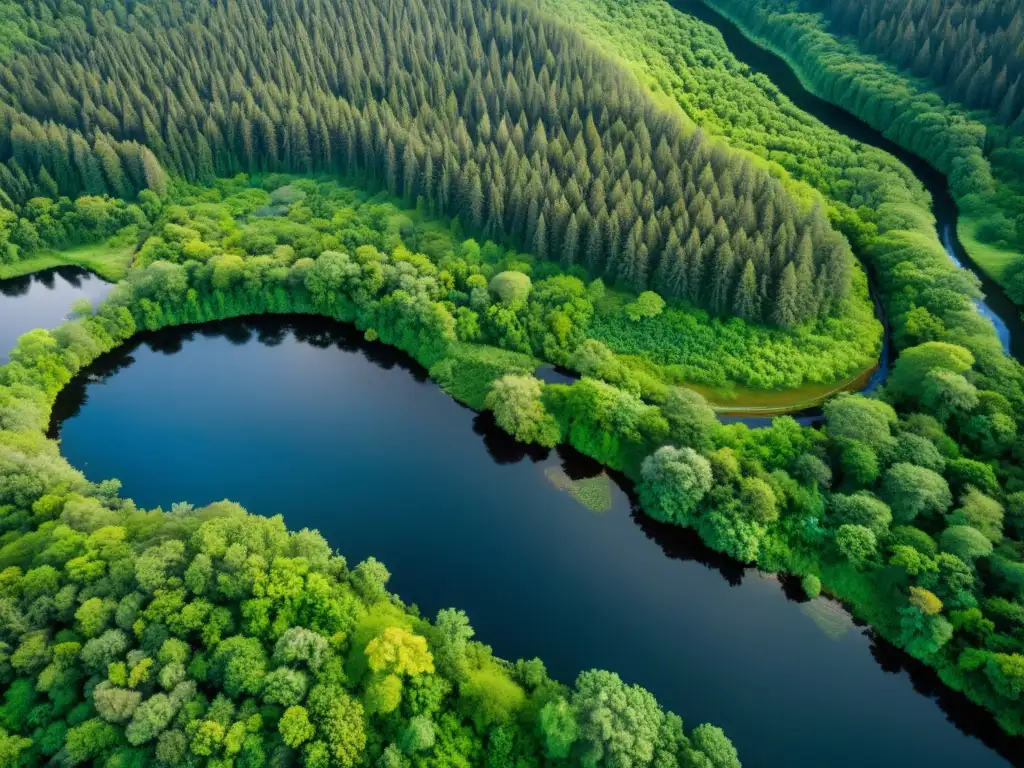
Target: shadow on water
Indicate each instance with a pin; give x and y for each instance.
(19, 286)
(997, 306)
(43, 300)
(544, 567)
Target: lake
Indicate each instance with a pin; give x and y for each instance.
(43, 300)
(301, 417)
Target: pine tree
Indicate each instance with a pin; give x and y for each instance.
(513, 132)
(596, 245)
(745, 303)
(721, 280)
(391, 173)
(671, 275)
(787, 304)
(696, 255)
(570, 249)
(540, 239)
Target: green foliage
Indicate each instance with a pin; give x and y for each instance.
(619, 724)
(673, 482)
(519, 410)
(714, 747)
(946, 423)
(856, 543)
(215, 636)
(965, 542)
(811, 585)
(693, 347)
(861, 508)
(570, 176)
(647, 304)
(558, 724)
(882, 61)
(511, 288)
(914, 492)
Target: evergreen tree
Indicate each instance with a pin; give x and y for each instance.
(745, 302)
(786, 312)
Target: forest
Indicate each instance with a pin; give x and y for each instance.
(512, 196)
(536, 139)
(910, 507)
(974, 49)
(978, 145)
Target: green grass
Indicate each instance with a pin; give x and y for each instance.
(109, 260)
(990, 258)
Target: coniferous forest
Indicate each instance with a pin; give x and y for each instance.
(491, 187)
(942, 79)
(507, 119)
(972, 48)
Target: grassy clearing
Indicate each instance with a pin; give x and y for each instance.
(990, 258)
(109, 260)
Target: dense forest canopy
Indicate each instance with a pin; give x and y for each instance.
(481, 109)
(974, 48)
(981, 154)
(209, 637)
(196, 636)
(909, 507)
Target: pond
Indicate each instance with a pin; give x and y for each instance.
(301, 417)
(43, 300)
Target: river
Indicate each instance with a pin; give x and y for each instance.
(303, 418)
(996, 306)
(43, 300)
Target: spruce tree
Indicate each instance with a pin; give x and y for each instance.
(745, 303)
(787, 303)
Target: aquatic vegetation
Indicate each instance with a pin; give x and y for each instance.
(594, 493)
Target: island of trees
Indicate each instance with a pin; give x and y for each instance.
(520, 198)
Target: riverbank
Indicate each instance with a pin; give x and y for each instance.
(743, 92)
(950, 226)
(44, 300)
(733, 361)
(890, 101)
(109, 260)
(392, 467)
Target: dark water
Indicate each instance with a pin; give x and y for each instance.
(43, 300)
(305, 419)
(997, 306)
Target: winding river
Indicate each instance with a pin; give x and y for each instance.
(302, 417)
(996, 306)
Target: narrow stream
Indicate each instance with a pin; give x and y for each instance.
(997, 306)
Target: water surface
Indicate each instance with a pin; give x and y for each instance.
(43, 300)
(305, 419)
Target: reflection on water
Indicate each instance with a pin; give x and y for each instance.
(43, 300)
(1002, 330)
(302, 417)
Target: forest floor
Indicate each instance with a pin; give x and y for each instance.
(109, 260)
